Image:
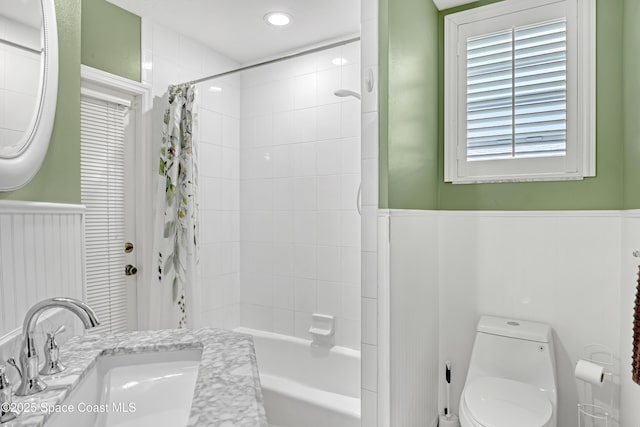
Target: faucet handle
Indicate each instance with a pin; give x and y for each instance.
(11, 361)
(52, 363)
(58, 331)
(6, 398)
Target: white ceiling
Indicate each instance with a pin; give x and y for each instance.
(236, 29)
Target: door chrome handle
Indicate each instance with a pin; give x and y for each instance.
(130, 270)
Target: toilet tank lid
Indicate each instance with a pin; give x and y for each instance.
(513, 328)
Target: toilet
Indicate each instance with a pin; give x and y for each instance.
(512, 376)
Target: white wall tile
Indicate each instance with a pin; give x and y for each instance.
(351, 156)
(369, 367)
(296, 132)
(329, 298)
(328, 81)
(304, 91)
(283, 227)
(305, 295)
(256, 194)
(369, 321)
(369, 275)
(305, 194)
(302, 324)
(305, 125)
(350, 77)
(328, 153)
(305, 226)
(350, 233)
(329, 263)
(328, 121)
(284, 130)
(369, 10)
(329, 192)
(329, 228)
(283, 194)
(284, 321)
(305, 261)
(351, 301)
(283, 259)
(283, 95)
(350, 126)
(369, 49)
(369, 408)
(304, 159)
(283, 292)
(370, 182)
(349, 191)
(350, 268)
(370, 135)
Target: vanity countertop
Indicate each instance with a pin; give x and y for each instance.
(227, 391)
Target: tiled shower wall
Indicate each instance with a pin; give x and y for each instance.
(300, 172)
(170, 58)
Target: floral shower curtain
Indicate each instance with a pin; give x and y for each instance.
(176, 226)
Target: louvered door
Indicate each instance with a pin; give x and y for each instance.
(107, 196)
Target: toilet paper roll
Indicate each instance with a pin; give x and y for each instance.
(590, 372)
(452, 421)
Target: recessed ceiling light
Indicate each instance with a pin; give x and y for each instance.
(215, 89)
(278, 19)
(338, 61)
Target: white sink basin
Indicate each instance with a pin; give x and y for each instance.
(142, 389)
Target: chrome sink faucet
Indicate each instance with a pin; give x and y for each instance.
(30, 378)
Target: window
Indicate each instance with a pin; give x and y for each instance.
(520, 92)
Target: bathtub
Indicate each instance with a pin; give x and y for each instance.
(305, 385)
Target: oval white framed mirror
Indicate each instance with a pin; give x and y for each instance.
(29, 90)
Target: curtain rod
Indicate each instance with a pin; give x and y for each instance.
(273, 61)
(19, 46)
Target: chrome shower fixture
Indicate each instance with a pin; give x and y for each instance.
(343, 93)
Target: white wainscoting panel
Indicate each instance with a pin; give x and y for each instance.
(557, 267)
(41, 256)
(413, 320)
(630, 391)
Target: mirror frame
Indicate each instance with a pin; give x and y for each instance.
(17, 170)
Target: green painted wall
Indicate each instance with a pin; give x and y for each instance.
(59, 178)
(413, 35)
(411, 129)
(631, 72)
(110, 39)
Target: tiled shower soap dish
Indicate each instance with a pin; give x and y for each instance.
(322, 326)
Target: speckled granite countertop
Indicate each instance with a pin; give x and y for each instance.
(227, 391)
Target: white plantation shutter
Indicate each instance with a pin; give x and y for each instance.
(102, 131)
(517, 93)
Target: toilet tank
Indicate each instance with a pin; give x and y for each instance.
(515, 349)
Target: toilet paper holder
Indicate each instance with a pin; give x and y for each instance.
(590, 414)
(600, 355)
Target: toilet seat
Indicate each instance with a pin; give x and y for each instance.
(500, 402)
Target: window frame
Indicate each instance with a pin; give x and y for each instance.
(580, 159)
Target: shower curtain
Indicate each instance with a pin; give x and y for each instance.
(176, 226)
